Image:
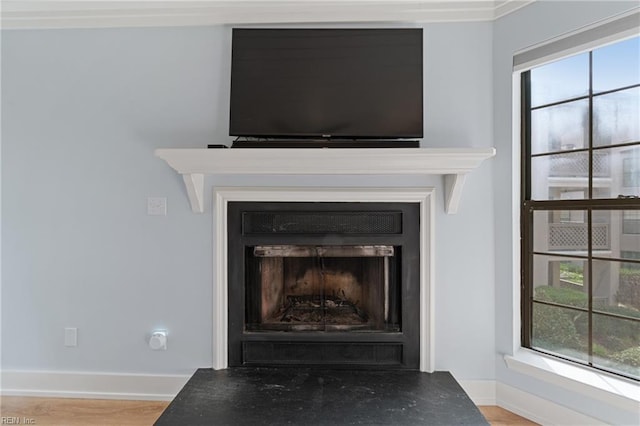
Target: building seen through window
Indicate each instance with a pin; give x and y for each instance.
(581, 208)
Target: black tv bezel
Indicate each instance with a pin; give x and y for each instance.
(319, 139)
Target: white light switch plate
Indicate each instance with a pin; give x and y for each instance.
(71, 336)
(157, 206)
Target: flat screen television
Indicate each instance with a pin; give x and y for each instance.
(326, 83)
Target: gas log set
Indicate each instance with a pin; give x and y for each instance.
(323, 287)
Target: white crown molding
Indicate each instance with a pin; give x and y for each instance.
(30, 14)
(505, 7)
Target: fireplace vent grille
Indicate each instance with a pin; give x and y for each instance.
(353, 222)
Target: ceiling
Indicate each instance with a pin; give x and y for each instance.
(25, 14)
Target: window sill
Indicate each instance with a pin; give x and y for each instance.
(614, 390)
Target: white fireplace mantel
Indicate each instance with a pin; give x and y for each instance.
(452, 163)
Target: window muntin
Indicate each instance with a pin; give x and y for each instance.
(580, 202)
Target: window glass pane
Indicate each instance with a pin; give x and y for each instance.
(601, 228)
(631, 168)
(560, 127)
(616, 233)
(616, 291)
(560, 231)
(616, 344)
(616, 172)
(634, 255)
(616, 288)
(555, 176)
(631, 227)
(616, 65)
(560, 330)
(616, 117)
(559, 280)
(560, 80)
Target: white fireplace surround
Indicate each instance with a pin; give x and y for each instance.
(423, 196)
(453, 164)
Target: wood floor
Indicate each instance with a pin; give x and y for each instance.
(80, 412)
(84, 412)
(500, 417)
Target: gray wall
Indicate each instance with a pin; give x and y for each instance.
(531, 25)
(82, 112)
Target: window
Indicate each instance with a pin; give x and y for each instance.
(581, 208)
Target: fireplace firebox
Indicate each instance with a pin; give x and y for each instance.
(331, 284)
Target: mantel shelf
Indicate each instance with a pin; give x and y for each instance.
(452, 163)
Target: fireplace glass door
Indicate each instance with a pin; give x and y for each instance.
(322, 288)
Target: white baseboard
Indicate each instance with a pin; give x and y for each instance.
(91, 385)
(481, 392)
(538, 409)
(534, 408)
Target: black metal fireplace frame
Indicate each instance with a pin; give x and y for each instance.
(328, 349)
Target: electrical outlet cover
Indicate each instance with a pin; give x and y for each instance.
(158, 340)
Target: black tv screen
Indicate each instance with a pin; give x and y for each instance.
(326, 83)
